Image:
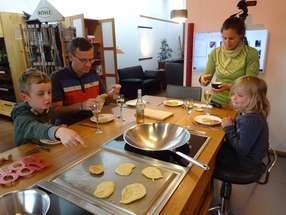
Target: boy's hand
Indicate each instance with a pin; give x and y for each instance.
(69, 137)
(227, 121)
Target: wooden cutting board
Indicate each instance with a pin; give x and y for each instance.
(157, 114)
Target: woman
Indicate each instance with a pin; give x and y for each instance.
(233, 60)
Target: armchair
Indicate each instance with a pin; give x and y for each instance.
(134, 78)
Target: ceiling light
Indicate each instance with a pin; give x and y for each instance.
(179, 15)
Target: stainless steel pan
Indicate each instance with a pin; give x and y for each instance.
(159, 137)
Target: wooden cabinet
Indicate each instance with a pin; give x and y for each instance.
(12, 59)
(101, 33)
(1, 31)
(6, 107)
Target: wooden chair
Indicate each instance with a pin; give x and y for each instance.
(181, 92)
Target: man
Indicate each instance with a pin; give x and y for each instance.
(75, 88)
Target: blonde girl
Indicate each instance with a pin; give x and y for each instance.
(246, 137)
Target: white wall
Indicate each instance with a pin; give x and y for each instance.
(126, 14)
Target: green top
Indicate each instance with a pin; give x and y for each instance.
(29, 127)
(228, 65)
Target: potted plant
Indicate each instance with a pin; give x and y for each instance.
(165, 51)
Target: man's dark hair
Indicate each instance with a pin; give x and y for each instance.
(234, 23)
(79, 43)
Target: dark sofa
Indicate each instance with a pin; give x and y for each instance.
(134, 78)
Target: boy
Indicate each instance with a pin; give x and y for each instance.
(31, 117)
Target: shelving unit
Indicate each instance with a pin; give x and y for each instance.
(93, 33)
(46, 45)
(12, 60)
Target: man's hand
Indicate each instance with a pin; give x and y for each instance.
(115, 91)
(227, 121)
(87, 105)
(69, 137)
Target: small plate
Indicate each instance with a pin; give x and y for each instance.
(133, 102)
(173, 102)
(50, 142)
(199, 109)
(103, 118)
(209, 120)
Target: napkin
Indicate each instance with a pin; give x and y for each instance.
(157, 114)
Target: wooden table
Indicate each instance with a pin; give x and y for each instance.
(193, 195)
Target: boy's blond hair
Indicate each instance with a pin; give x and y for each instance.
(32, 76)
(256, 89)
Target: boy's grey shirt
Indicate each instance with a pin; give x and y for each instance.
(29, 127)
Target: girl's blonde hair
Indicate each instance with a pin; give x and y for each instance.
(256, 89)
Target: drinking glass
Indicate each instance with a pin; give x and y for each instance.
(96, 109)
(207, 96)
(188, 104)
(120, 102)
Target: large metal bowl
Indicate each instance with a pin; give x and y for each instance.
(156, 136)
(32, 201)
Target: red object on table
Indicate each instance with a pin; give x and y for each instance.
(25, 167)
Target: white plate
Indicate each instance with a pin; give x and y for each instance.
(173, 102)
(210, 120)
(50, 142)
(103, 118)
(200, 105)
(133, 102)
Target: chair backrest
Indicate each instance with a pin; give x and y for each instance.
(131, 72)
(174, 73)
(181, 92)
(271, 160)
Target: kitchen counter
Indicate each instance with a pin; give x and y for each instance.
(192, 196)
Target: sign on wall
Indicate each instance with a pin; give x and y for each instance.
(205, 42)
(45, 12)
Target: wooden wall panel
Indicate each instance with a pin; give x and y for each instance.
(11, 23)
(1, 30)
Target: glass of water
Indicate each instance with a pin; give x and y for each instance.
(188, 104)
(96, 109)
(207, 96)
(120, 102)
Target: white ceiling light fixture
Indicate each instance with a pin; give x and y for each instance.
(179, 15)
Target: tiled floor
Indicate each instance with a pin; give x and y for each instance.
(268, 199)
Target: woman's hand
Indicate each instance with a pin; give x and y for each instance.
(69, 137)
(222, 88)
(227, 121)
(205, 79)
